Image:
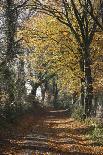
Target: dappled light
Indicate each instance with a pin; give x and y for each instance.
(54, 135)
(51, 77)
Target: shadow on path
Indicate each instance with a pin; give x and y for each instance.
(52, 135)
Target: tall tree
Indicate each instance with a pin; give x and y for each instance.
(74, 14)
(11, 20)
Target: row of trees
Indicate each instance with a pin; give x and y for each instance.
(80, 20)
(58, 50)
(12, 74)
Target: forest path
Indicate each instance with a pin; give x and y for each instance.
(52, 135)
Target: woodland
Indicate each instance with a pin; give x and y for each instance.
(51, 77)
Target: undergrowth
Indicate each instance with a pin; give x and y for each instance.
(96, 135)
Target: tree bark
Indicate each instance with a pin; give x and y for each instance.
(82, 82)
(11, 20)
(55, 93)
(34, 88)
(88, 89)
(86, 81)
(44, 88)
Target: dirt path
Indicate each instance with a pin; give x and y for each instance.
(53, 135)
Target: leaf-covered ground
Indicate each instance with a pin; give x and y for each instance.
(51, 135)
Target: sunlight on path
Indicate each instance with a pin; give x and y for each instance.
(55, 136)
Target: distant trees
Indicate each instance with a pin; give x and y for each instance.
(12, 83)
(78, 17)
(52, 47)
(60, 41)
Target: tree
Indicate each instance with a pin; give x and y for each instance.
(10, 63)
(98, 18)
(74, 14)
(80, 29)
(53, 52)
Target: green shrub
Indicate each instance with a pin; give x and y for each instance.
(97, 133)
(77, 112)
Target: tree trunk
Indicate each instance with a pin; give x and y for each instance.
(82, 93)
(82, 82)
(11, 20)
(34, 88)
(20, 85)
(55, 93)
(95, 104)
(44, 87)
(88, 83)
(74, 97)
